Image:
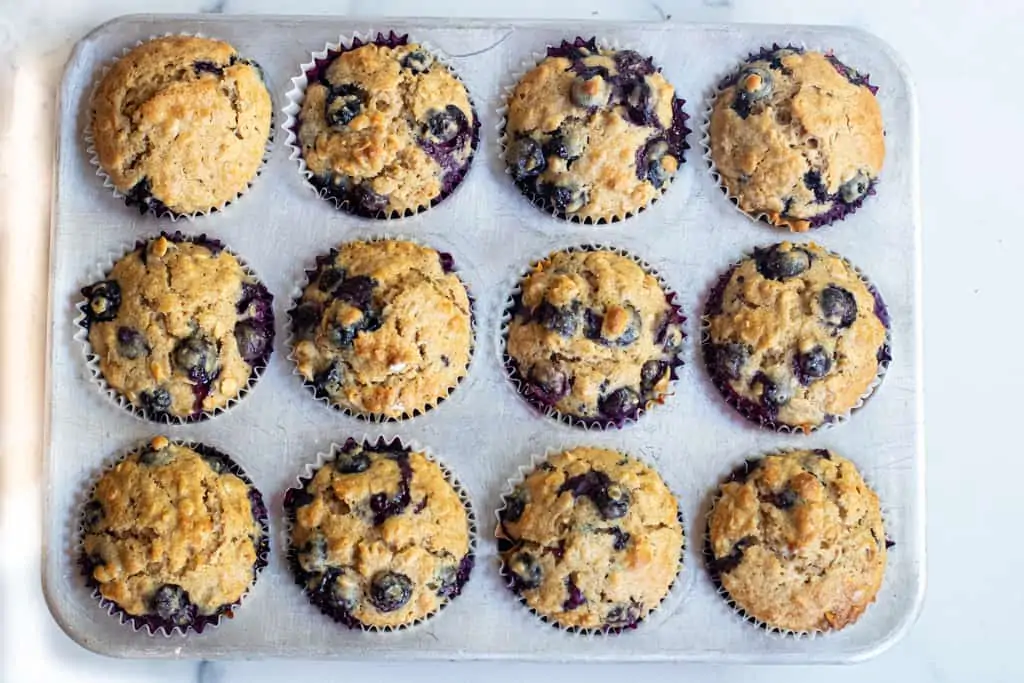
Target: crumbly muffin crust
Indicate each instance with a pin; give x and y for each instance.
(379, 536)
(383, 328)
(794, 336)
(594, 134)
(797, 137)
(178, 327)
(593, 336)
(386, 129)
(173, 535)
(181, 124)
(591, 539)
(797, 541)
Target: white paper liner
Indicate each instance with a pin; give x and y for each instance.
(173, 216)
(295, 298)
(833, 420)
(325, 457)
(674, 595)
(92, 361)
(508, 86)
(509, 364)
(297, 95)
(137, 623)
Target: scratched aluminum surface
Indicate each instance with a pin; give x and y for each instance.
(485, 431)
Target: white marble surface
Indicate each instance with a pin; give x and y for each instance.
(966, 59)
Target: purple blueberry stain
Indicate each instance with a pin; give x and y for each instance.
(385, 506)
(574, 596)
(727, 563)
(784, 499)
(131, 343)
(610, 498)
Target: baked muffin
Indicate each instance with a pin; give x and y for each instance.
(179, 328)
(796, 541)
(180, 124)
(593, 337)
(383, 329)
(591, 539)
(380, 537)
(796, 138)
(594, 134)
(385, 129)
(173, 535)
(795, 337)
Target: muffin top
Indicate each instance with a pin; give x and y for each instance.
(172, 534)
(593, 539)
(379, 536)
(181, 123)
(593, 336)
(386, 130)
(795, 336)
(178, 327)
(797, 541)
(797, 137)
(383, 328)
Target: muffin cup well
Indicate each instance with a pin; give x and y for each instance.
(677, 133)
(82, 324)
(142, 200)
(751, 410)
(153, 624)
(708, 555)
(521, 385)
(340, 616)
(673, 596)
(839, 210)
(310, 71)
(296, 297)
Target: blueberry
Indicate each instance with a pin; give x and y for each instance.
(131, 343)
(157, 401)
(196, 356)
(640, 103)
(650, 374)
(784, 499)
(342, 596)
(200, 67)
(623, 616)
(726, 563)
(838, 306)
(526, 570)
(812, 181)
(612, 501)
(574, 596)
(621, 538)
(343, 103)
(92, 514)
(753, 85)
(515, 503)
(368, 200)
(774, 394)
(329, 382)
(589, 91)
(352, 460)
(525, 158)
(630, 64)
(104, 301)
(855, 188)
(443, 126)
(652, 167)
(563, 320)
(813, 365)
(775, 263)
(547, 382)
(252, 341)
(343, 336)
(329, 279)
(390, 591)
(171, 603)
(306, 318)
(296, 498)
(357, 290)
(620, 404)
(418, 61)
(452, 577)
(447, 261)
(729, 358)
(312, 557)
(568, 142)
(594, 328)
(565, 197)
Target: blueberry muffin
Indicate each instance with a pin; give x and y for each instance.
(179, 328)
(591, 539)
(181, 124)
(173, 535)
(796, 541)
(383, 329)
(593, 337)
(796, 138)
(379, 536)
(594, 134)
(794, 336)
(386, 129)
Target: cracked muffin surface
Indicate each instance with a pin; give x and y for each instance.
(591, 539)
(797, 137)
(593, 336)
(379, 536)
(181, 123)
(383, 328)
(797, 540)
(173, 534)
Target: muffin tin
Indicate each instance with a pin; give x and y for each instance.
(485, 431)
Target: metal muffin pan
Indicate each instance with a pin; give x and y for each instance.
(485, 431)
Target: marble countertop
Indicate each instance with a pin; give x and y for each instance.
(965, 60)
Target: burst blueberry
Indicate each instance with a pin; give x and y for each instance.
(196, 356)
(352, 461)
(390, 591)
(369, 201)
(104, 301)
(418, 61)
(343, 103)
(547, 382)
(171, 603)
(357, 290)
(330, 278)
(526, 158)
(515, 504)
(328, 383)
(838, 306)
(727, 563)
(443, 126)
(526, 570)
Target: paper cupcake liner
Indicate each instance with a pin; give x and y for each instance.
(296, 298)
(139, 197)
(310, 71)
(340, 615)
(521, 385)
(153, 624)
(839, 210)
(92, 361)
(708, 556)
(676, 134)
(754, 412)
(672, 596)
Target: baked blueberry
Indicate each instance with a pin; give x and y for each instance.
(568, 142)
(390, 591)
(418, 61)
(306, 318)
(855, 188)
(730, 358)
(196, 356)
(574, 596)
(104, 301)
(343, 103)
(781, 263)
(653, 163)
(547, 382)
(131, 343)
(352, 461)
(443, 126)
(526, 571)
(621, 404)
(330, 278)
(171, 603)
(252, 341)
(774, 393)
(753, 85)
(515, 502)
(526, 158)
(313, 556)
(563, 320)
(368, 200)
(813, 365)
(565, 197)
(651, 373)
(612, 500)
(156, 401)
(329, 382)
(784, 499)
(727, 563)
(838, 306)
